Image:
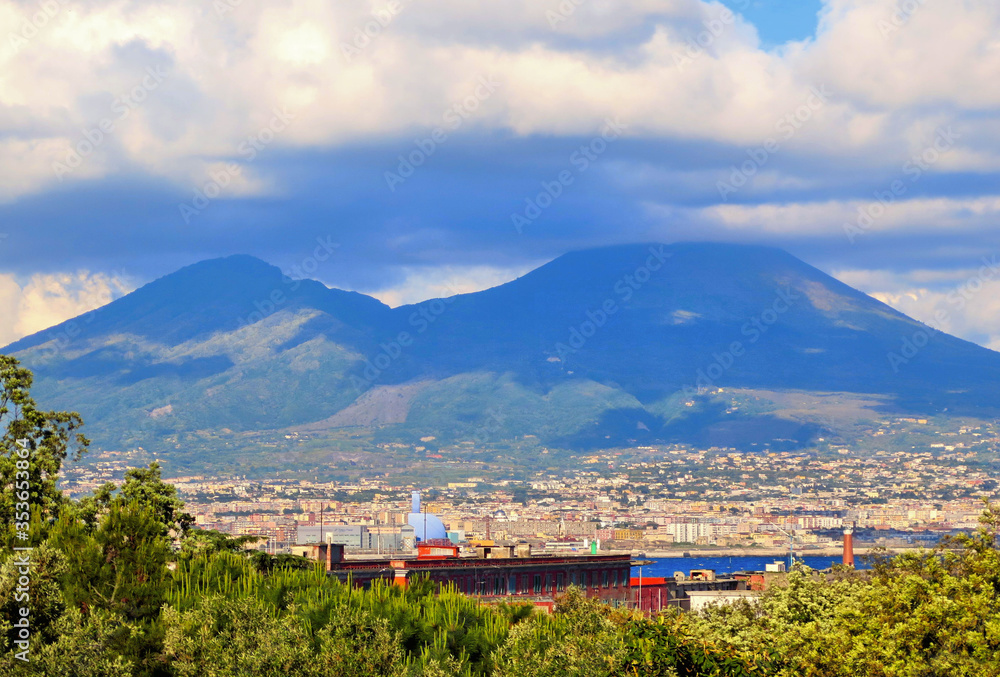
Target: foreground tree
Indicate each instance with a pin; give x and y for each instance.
(929, 613)
(578, 640)
(142, 486)
(104, 600)
(33, 445)
(236, 637)
(120, 566)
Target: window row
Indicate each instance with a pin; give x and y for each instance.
(536, 583)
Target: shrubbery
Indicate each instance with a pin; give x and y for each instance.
(111, 596)
(99, 607)
(915, 615)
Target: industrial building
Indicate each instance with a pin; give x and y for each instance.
(495, 572)
(685, 591)
(512, 572)
(382, 539)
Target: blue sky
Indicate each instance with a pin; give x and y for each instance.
(779, 21)
(138, 137)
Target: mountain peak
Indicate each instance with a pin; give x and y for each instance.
(214, 295)
(702, 253)
(224, 269)
(575, 352)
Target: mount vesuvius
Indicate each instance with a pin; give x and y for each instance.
(603, 347)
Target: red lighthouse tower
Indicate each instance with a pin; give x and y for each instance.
(849, 544)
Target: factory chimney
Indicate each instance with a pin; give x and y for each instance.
(849, 544)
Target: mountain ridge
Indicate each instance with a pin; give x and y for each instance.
(604, 346)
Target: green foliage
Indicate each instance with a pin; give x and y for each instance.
(209, 541)
(578, 640)
(44, 596)
(432, 627)
(916, 615)
(89, 645)
(117, 566)
(267, 563)
(48, 437)
(146, 487)
(234, 637)
(109, 597)
(668, 646)
(143, 486)
(919, 615)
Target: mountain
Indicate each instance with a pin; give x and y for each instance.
(618, 345)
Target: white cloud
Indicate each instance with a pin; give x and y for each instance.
(421, 284)
(49, 299)
(228, 72)
(829, 217)
(962, 302)
(941, 53)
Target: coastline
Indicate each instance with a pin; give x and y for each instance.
(754, 552)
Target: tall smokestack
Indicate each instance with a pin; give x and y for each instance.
(849, 544)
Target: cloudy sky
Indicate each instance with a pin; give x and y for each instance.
(448, 145)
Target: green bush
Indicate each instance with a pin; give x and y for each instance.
(110, 597)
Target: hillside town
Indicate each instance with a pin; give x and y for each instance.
(658, 500)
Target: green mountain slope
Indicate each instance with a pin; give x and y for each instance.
(619, 345)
